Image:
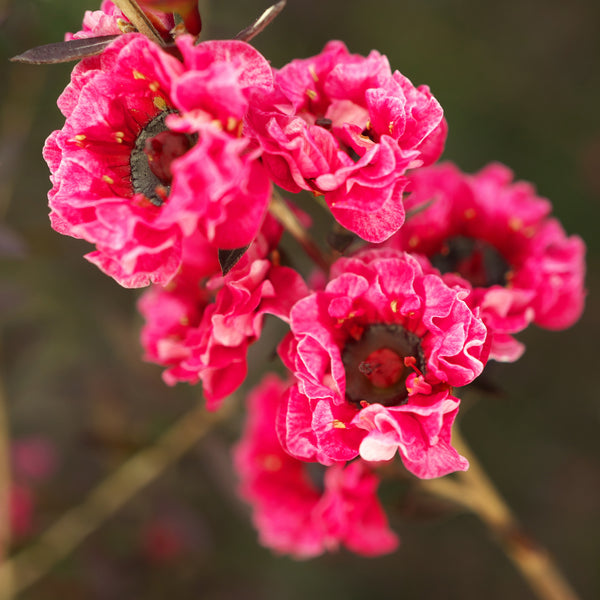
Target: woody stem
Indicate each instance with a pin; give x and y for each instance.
(290, 222)
(72, 528)
(131, 9)
(474, 490)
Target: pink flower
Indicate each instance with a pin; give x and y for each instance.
(163, 541)
(188, 9)
(495, 238)
(294, 514)
(201, 325)
(33, 459)
(375, 355)
(143, 136)
(21, 504)
(346, 127)
(109, 20)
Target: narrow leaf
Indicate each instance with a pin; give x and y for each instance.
(229, 258)
(60, 52)
(263, 21)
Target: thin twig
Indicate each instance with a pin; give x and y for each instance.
(282, 212)
(139, 20)
(66, 534)
(473, 490)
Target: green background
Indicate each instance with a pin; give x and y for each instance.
(520, 83)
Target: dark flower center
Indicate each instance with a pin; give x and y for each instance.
(155, 149)
(475, 260)
(375, 364)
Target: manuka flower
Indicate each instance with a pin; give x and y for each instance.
(201, 325)
(345, 127)
(375, 355)
(305, 509)
(151, 152)
(495, 238)
(109, 20)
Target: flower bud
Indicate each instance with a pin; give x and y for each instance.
(188, 9)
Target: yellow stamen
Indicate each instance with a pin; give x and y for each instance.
(231, 123)
(272, 462)
(311, 94)
(108, 179)
(160, 103)
(515, 223)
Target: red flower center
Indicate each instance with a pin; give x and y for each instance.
(382, 368)
(476, 260)
(375, 364)
(155, 149)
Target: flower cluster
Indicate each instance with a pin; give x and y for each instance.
(168, 162)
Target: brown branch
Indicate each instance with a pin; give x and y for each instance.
(139, 20)
(473, 490)
(70, 530)
(282, 212)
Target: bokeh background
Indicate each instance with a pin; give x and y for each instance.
(520, 83)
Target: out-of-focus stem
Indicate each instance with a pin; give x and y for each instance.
(61, 538)
(282, 212)
(474, 490)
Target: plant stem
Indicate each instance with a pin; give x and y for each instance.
(474, 490)
(71, 529)
(282, 212)
(139, 20)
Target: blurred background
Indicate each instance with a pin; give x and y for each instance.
(520, 83)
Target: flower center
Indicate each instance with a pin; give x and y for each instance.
(155, 149)
(375, 364)
(475, 260)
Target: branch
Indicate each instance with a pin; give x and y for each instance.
(473, 490)
(139, 20)
(282, 212)
(66, 534)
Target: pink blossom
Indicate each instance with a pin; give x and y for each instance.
(345, 127)
(163, 541)
(294, 514)
(386, 338)
(201, 325)
(494, 237)
(109, 20)
(33, 458)
(21, 503)
(143, 136)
